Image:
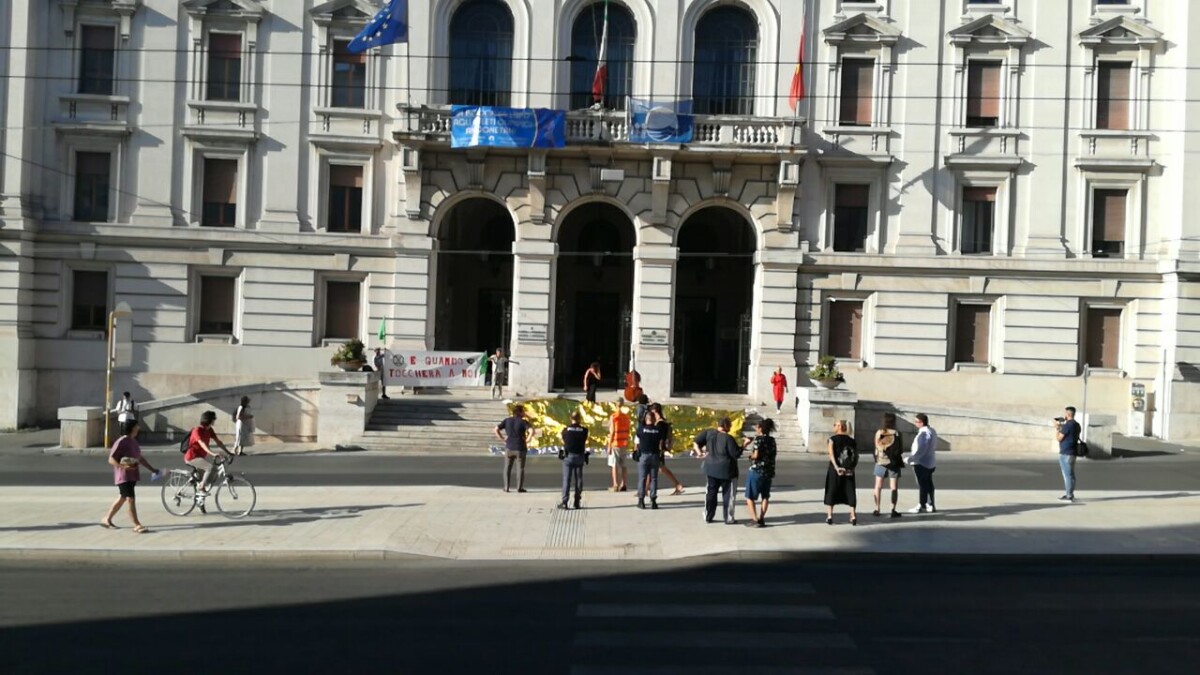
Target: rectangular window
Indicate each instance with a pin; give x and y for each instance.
(220, 193)
(217, 296)
(851, 203)
(345, 198)
(972, 333)
(89, 303)
(983, 94)
(857, 92)
(91, 186)
(349, 79)
(224, 67)
(1103, 337)
(978, 219)
(845, 329)
(341, 309)
(1112, 95)
(1108, 222)
(97, 60)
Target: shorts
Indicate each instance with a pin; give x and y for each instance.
(500, 379)
(882, 471)
(757, 486)
(617, 458)
(126, 489)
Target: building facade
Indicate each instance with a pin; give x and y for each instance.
(975, 204)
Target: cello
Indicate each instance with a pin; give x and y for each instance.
(633, 386)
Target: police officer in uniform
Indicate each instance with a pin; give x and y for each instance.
(573, 456)
(650, 440)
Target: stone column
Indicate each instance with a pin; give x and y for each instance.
(818, 409)
(653, 300)
(774, 339)
(533, 296)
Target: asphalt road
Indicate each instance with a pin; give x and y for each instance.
(1167, 473)
(798, 617)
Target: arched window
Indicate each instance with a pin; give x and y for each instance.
(585, 52)
(725, 63)
(481, 47)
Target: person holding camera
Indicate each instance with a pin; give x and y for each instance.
(1067, 432)
(573, 456)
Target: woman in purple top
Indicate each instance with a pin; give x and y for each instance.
(125, 457)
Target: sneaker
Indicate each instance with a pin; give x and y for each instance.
(917, 509)
(653, 505)
(932, 508)
(522, 490)
(895, 514)
(731, 521)
(562, 505)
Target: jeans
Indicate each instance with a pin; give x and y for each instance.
(725, 485)
(924, 484)
(572, 476)
(510, 457)
(648, 466)
(1067, 464)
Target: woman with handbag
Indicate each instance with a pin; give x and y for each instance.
(839, 478)
(888, 461)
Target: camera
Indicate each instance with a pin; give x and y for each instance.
(1060, 420)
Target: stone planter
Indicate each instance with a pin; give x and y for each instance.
(828, 383)
(351, 366)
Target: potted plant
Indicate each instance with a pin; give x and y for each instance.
(826, 373)
(350, 356)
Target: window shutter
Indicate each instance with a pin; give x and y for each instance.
(854, 196)
(92, 164)
(1112, 95)
(979, 194)
(973, 333)
(220, 181)
(983, 89)
(99, 37)
(346, 176)
(216, 304)
(845, 329)
(341, 309)
(225, 45)
(857, 91)
(1103, 337)
(1109, 215)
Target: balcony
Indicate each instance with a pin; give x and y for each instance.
(585, 127)
(995, 147)
(93, 114)
(1113, 149)
(222, 121)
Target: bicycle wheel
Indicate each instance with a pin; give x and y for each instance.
(235, 497)
(179, 493)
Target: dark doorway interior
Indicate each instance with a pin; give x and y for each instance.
(714, 285)
(594, 295)
(475, 278)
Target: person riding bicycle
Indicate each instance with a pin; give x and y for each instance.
(200, 450)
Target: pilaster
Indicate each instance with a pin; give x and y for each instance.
(653, 300)
(533, 296)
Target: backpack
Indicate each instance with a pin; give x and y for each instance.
(1081, 449)
(183, 445)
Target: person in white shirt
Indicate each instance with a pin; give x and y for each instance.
(126, 409)
(923, 460)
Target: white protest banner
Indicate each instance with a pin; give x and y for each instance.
(403, 368)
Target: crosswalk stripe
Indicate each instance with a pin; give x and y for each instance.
(668, 610)
(702, 640)
(717, 670)
(668, 586)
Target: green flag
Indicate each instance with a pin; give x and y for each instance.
(383, 330)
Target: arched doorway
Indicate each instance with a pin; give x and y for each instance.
(593, 295)
(714, 290)
(474, 278)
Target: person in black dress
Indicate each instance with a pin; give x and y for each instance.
(573, 456)
(839, 478)
(591, 382)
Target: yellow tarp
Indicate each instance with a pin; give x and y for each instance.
(548, 417)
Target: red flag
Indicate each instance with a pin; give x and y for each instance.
(797, 91)
(602, 63)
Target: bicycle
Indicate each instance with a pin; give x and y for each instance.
(179, 491)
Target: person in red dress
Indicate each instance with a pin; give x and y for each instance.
(778, 388)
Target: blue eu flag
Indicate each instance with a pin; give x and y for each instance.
(389, 25)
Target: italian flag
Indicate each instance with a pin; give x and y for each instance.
(602, 62)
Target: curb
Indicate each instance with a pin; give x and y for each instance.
(208, 555)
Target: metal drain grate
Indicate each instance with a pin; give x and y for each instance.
(566, 529)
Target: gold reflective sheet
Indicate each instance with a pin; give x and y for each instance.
(549, 417)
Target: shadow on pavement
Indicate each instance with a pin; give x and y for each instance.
(278, 517)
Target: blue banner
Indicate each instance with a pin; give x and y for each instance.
(660, 121)
(507, 127)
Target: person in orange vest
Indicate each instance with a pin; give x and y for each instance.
(618, 447)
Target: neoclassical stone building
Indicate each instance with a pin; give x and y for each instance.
(976, 203)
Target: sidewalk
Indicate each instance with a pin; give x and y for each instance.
(479, 524)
